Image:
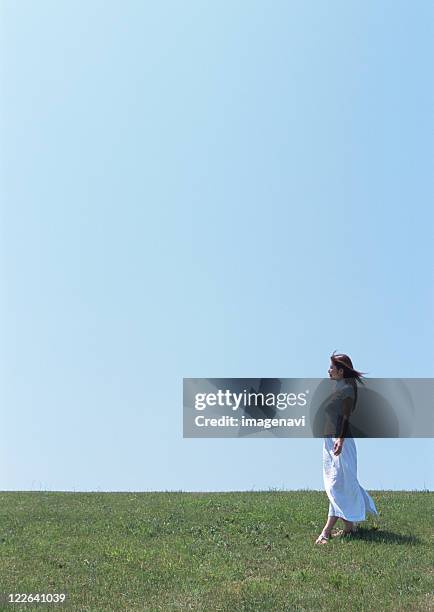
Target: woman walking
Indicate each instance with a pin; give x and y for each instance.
(348, 500)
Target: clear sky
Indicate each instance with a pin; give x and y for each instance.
(207, 189)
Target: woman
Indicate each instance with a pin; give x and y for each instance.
(348, 500)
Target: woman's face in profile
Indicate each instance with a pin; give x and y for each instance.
(334, 373)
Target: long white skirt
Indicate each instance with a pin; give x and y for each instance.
(347, 498)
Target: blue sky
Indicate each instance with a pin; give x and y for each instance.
(230, 189)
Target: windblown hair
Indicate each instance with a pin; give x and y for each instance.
(343, 362)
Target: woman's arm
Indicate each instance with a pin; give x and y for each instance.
(347, 408)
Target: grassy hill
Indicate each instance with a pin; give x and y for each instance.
(213, 551)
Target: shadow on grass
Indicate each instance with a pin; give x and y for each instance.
(381, 535)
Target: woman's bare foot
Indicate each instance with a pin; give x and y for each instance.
(323, 538)
(348, 526)
(345, 532)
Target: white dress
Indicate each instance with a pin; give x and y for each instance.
(347, 498)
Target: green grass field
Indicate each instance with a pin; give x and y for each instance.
(213, 551)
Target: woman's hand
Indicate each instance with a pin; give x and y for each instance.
(337, 446)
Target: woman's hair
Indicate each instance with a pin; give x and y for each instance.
(343, 362)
